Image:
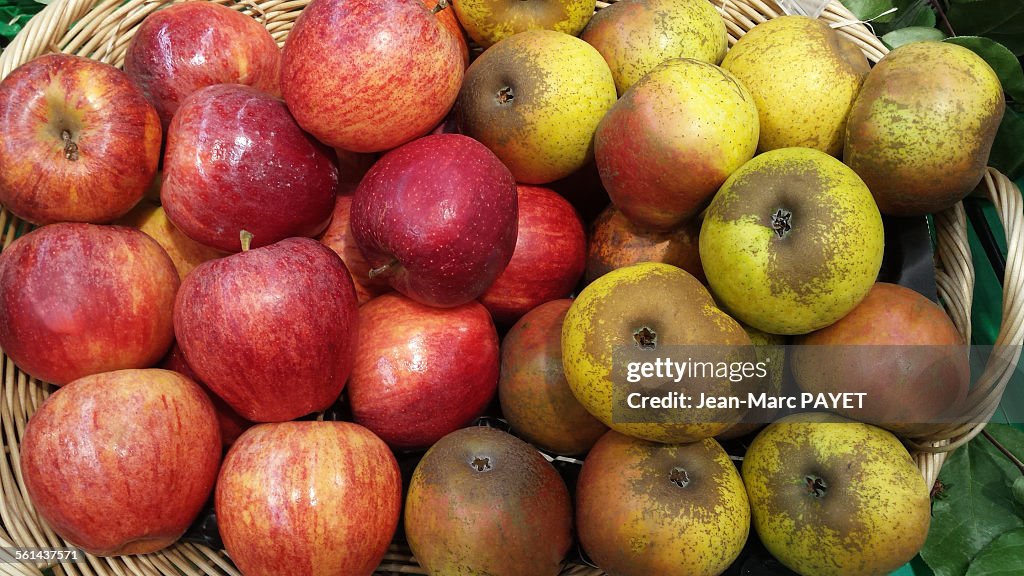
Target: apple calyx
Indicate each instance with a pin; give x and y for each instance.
(481, 463)
(70, 147)
(816, 486)
(646, 339)
(246, 238)
(506, 95)
(679, 477)
(381, 270)
(782, 222)
(441, 5)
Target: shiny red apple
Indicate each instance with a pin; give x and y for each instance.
(370, 75)
(78, 141)
(184, 47)
(271, 330)
(236, 160)
(550, 254)
(122, 462)
(422, 372)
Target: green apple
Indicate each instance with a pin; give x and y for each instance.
(490, 21)
(792, 241)
(634, 36)
(535, 100)
(834, 497)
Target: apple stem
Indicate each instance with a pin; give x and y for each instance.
(70, 148)
(441, 5)
(1006, 452)
(246, 238)
(383, 269)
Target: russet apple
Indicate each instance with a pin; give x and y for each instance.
(78, 141)
(185, 252)
(184, 47)
(490, 21)
(236, 160)
(78, 299)
(122, 462)
(548, 259)
(270, 330)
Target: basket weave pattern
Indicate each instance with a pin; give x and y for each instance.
(102, 30)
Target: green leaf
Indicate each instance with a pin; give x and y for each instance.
(979, 504)
(1005, 64)
(1008, 149)
(1018, 490)
(1003, 557)
(912, 34)
(870, 9)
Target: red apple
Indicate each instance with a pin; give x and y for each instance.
(550, 254)
(308, 498)
(437, 219)
(231, 424)
(272, 330)
(122, 462)
(78, 141)
(370, 75)
(422, 372)
(338, 237)
(79, 299)
(236, 160)
(184, 47)
(446, 15)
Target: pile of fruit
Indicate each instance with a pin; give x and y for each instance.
(376, 219)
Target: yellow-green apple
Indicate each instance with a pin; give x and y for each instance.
(231, 424)
(184, 47)
(236, 160)
(550, 253)
(122, 462)
(308, 498)
(338, 237)
(792, 241)
(422, 372)
(897, 348)
(803, 76)
(771, 350)
(490, 21)
(922, 127)
(271, 330)
(639, 314)
(825, 490)
(535, 99)
(668, 509)
(436, 218)
(484, 502)
(670, 142)
(185, 252)
(616, 242)
(79, 299)
(78, 141)
(634, 36)
(535, 397)
(370, 75)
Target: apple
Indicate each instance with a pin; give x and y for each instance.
(484, 502)
(231, 424)
(79, 299)
(672, 139)
(669, 509)
(271, 330)
(370, 75)
(615, 242)
(437, 219)
(122, 462)
(338, 237)
(185, 252)
(308, 498)
(184, 47)
(824, 490)
(792, 242)
(548, 260)
(236, 160)
(78, 141)
(535, 99)
(422, 372)
(535, 397)
(490, 21)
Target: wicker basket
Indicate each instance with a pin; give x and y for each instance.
(102, 30)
